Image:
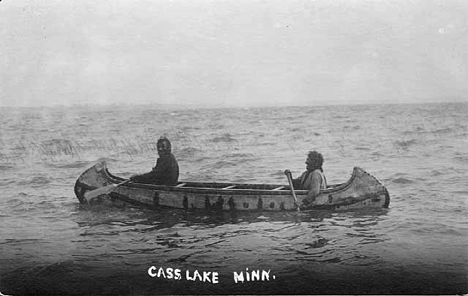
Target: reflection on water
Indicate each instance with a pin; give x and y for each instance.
(118, 246)
(131, 240)
(179, 236)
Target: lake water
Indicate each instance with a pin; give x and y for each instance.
(50, 244)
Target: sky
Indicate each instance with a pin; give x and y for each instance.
(232, 52)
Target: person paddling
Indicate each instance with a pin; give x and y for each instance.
(166, 171)
(313, 178)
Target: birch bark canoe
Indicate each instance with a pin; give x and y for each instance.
(362, 190)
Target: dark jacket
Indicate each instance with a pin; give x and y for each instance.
(166, 172)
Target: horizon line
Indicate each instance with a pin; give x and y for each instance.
(227, 106)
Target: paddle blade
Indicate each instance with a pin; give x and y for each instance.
(100, 191)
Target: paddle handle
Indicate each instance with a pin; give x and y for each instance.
(124, 182)
(117, 185)
(289, 176)
(102, 191)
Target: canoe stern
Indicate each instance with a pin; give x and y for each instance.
(362, 191)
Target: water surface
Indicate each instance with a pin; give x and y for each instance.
(49, 244)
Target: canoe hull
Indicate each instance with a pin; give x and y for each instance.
(361, 191)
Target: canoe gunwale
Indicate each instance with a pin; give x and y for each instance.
(215, 196)
(232, 191)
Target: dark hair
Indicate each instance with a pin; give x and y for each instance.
(165, 144)
(316, 159)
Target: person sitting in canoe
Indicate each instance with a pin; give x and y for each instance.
(313, 178)
(166, 171)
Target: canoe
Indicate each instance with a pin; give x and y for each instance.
(361, 191)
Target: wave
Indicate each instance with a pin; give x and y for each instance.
(436, 173)
(443, 130)
(224, 164)
(405, 143)
(353, 127)
(74, 165)
(188, 151)
(6, 182)
(296, 129)
(434, 228)
(461, 192)
(14, 202)
(238, 179)
(19, 241)
(321, 242)
(57, 146)
(235, 155)
(279, 173)
(224, 138)
(402, 180)
(35, 181)
(203, 159)
(6, 167)
(461, 159)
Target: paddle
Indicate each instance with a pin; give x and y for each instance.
(103, 190)
(288, 174)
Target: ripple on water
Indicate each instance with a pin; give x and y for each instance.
(36, 181)
(402, 180)
(383, 252)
